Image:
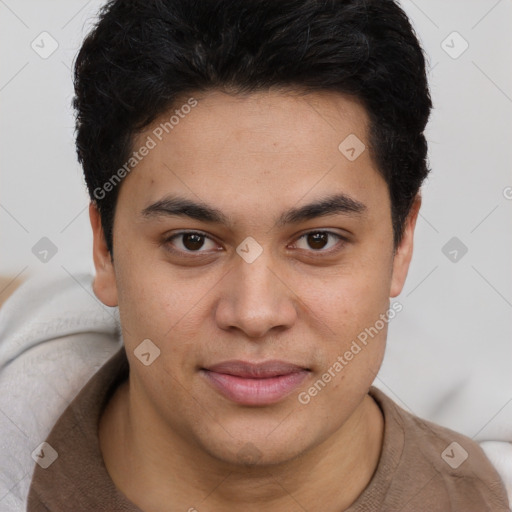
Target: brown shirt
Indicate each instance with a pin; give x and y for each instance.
(419, 469)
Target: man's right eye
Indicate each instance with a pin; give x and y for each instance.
(189, 242)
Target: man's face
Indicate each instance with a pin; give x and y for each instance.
(258, 284)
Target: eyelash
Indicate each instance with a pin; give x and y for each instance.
(168, 242)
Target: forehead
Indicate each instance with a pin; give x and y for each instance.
(254, 150)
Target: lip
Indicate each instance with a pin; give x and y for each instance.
(255, 383)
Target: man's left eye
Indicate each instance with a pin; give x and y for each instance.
(319, 240)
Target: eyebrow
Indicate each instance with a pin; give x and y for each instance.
(176, 206)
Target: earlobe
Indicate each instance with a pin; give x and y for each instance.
(104, 285)
(403, 254)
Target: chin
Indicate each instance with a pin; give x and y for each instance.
(254, 451)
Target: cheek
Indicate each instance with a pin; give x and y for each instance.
(148, 305)
(351, 300)
(351, 305)
(161, 305)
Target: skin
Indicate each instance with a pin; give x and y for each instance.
(252, 157)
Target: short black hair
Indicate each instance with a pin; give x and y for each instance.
(142, 55)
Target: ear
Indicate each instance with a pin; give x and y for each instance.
(403, 253)
(104, 284)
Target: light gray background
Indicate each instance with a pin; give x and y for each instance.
(456, 323)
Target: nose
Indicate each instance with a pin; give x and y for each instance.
(255, 299)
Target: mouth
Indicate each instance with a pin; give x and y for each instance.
(255, 384)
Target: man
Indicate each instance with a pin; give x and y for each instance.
(254, 171)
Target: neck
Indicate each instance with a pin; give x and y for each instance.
(162, 471)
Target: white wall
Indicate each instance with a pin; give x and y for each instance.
(42, 193)
(456, 322)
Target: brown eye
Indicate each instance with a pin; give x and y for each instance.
(193, 241)
(319, 241)
(189, 242)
